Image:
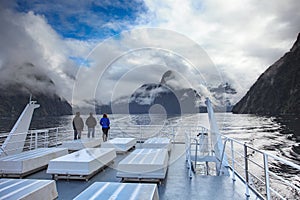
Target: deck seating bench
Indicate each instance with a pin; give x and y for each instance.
(75, 145)
(81, 164)
(157, 142)
(144, 164)
(27, 189)
(119, 191)
(121, 145)
(28, 162)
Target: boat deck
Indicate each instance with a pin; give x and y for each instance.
(177, 184)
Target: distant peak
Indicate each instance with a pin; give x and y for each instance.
(167, 76)
(296, 44)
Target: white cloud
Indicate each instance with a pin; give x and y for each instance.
(122, 64)
(243, 38)
(26, 38)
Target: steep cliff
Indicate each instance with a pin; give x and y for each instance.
(13, 101)
(277, 90)
(26, 80)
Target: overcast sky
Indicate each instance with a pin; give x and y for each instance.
(104, 49)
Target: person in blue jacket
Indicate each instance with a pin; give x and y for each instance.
(104, 122)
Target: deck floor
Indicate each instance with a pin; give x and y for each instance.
(177, 185)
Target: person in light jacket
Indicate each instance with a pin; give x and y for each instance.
(77, 126)
(91, 123)
(105, 123)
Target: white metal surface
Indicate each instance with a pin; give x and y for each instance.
(144, 163)
(216, 139)
(74, 145)
(83, 162)
(15, 141)
(157, 142)
(28, 161)
(27, 189)
(120, 144)
(119, 191)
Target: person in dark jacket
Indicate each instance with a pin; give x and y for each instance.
(91, 123)
(104, 122)
(77, 126)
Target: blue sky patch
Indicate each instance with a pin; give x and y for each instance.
(86, 19)
(81, 61)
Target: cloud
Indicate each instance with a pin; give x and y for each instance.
(123, 63)
(242, 38)
(206, 42)
(27, 40)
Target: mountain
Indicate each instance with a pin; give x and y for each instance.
(30, 81)
(277, 90)
(173, 101)
(14, 101)
(166, 97)
(222, 94)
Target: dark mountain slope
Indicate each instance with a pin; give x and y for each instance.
(277, 90)
(26, 80)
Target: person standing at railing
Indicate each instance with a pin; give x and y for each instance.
(105, 123)
(77, 126)
(91, 123)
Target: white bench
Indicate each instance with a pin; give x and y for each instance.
(81, 164)
(144, 164)
(75, 145)
(157, 143)
(119, 191)
(27, 189)
(27, 162)
(120, 144)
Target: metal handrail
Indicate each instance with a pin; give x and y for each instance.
(269, 190)
(34, 139)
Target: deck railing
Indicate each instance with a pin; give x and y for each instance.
(262, 172)
(41, 138)
(3, 136)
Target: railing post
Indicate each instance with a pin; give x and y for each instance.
(267, 180)
(232, 160)
(188, 153)
(140, 135)
(196, 154)
(246, 170)
(56, 137)
(36, 139)
(173, 134)
(30, 146)
(46, 138)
